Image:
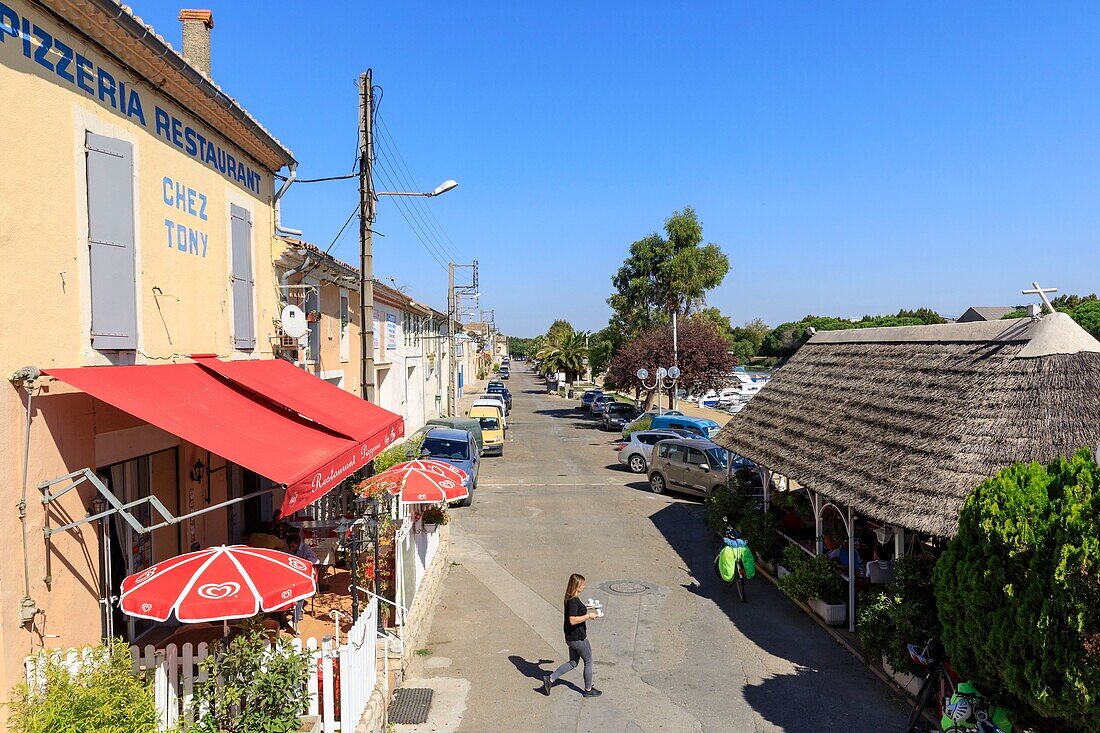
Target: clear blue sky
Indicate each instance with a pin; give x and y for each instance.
(850, 158)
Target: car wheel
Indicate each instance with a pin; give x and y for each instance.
(636, 463)
(657, 483)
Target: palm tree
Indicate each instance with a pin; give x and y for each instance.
(569, 354)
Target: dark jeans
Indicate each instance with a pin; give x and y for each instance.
(578, 650)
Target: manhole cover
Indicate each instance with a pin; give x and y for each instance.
(627, 587)
(410, 705)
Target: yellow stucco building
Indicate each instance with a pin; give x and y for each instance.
(137, 215)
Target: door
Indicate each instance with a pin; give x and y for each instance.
(674, 465)
(132, 551)
(697, 473)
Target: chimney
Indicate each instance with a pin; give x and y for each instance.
(196, 37)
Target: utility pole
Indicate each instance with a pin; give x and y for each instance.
(453, 358)
(366, 252)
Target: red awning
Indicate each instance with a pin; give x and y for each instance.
(268, 416)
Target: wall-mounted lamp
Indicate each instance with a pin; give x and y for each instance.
(198, 470)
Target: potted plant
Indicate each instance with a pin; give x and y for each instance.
(814, 581)
(313, 316)
(434, 516)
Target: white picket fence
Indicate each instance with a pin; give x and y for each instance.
(339, 685)
(416, 547)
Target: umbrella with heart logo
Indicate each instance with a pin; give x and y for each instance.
(217, 584)
(420, 482)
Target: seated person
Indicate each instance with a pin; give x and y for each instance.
(840, 554)
(264, 536)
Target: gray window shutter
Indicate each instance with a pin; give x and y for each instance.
(244, 321)
(113, 281)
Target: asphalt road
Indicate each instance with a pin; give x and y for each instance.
(677, 656)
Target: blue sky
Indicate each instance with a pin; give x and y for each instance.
(850, 158)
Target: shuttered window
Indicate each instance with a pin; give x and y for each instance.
(111, 260)
(244, 321)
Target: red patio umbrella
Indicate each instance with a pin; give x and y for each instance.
(217, 584)
(420, 482)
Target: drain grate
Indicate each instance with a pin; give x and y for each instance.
(410, 705)
(627, 587)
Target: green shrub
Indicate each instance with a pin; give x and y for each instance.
(813, 576)
(761, 531)
(254, 686)
(902, 613)
(725, 507)
(399, 453)
(1018, 589)
(105, 697)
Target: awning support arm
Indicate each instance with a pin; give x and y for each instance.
(119, 507)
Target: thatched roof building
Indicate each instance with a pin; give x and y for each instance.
(902, 423)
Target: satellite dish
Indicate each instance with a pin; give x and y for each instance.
(294, 321)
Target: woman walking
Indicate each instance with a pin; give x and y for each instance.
(576, 637)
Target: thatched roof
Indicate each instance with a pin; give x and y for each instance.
(902, 423)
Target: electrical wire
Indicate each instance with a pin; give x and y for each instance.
(332, 244)
(386, 134)
(401, 208)
(386, 172)
(353, 174)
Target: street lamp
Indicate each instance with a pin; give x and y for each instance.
(440, 189)
(662, 380)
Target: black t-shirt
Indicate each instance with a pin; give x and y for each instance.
(575, 607)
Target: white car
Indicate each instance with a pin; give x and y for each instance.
(636, 449)
(495, 396)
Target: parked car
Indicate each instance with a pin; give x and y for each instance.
(587, 397)
(500, 389)
(600, 403)
(491, 427)
(618, 414)
(498, 397)
(693, 466)
(458, 448)
(642, 422)
(459, 423)
(636, 449)
(504, 372)
(495, 404)
(702, 426)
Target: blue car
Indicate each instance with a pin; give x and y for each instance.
(587, 397)
(600, 403)
(458, 448)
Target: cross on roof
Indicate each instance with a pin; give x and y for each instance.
(1042, 293)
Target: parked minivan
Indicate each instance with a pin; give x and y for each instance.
(701, 426)
(694, 466)
(492, 428)
(495, 404)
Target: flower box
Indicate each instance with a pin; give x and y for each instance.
(909, 683)
(834, 615)
(311, 724)
(429, 528)
(780, 571)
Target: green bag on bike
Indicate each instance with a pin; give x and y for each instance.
(727, 562)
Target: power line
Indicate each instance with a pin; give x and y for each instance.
(412, 225)
(431, 214)
(335, 239)
(414, 220)
(318, 180)
(390, 162)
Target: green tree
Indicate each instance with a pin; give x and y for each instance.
(567, 353)
(558, 330)
(754, 331)
(666, 274)
(518, 346)
(714, 317)
(1018, 588)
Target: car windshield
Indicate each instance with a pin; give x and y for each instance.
(489, 423)
(717, 457)
(456, 450)
(618, 407)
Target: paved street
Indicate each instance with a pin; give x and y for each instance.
(679, 656)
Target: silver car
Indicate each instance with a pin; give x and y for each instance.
(636, 449)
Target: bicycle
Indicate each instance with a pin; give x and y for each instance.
(961, 708)
(733, 539)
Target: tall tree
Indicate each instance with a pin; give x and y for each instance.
(666, 274)
(567, 354)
